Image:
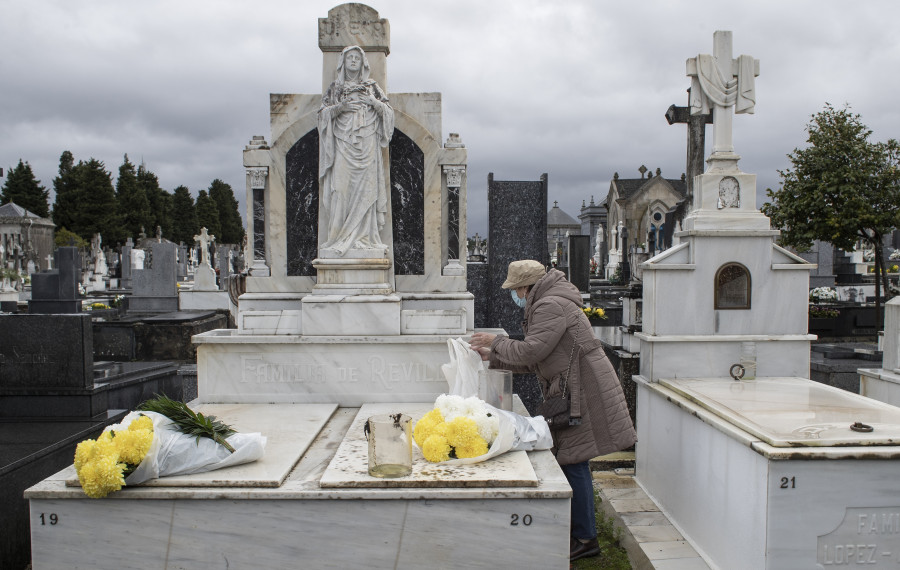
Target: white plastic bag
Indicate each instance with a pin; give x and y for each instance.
(462, 371)
(176, 453)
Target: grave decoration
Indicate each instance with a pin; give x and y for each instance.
(462, 429)
(164, 437)
(594, 313)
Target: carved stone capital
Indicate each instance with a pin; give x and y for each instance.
(454, 175)
(258, 177)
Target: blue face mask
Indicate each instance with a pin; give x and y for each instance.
(520, 302)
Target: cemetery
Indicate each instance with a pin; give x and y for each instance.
(760, 378)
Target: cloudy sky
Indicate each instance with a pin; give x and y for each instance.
(576, 89)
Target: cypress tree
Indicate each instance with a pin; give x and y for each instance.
(208, 215)
(184, 216)
(97, 210)
(230, 222)
(67, 198)
(22, 188)
(134, 208)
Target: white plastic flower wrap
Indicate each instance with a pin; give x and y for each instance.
(462, 429)
(172, 440)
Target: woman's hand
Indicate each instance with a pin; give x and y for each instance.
(484, 353)
(482, 340)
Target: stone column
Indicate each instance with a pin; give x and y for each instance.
(454, 176)
(258, 177)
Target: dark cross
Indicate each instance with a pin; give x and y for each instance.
(696, 140)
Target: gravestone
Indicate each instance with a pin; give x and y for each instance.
(510, 238)
(56, 291)
(579, 262)
(223, 265)
(204, 275)
(181, 273)
(155, 288)
(41, 355)
(125, 282)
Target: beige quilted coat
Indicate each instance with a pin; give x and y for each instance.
(553, 320)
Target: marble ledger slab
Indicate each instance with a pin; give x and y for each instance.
(349, 466)
(792, 412)
(289, 430)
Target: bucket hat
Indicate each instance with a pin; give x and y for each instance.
(523, 273)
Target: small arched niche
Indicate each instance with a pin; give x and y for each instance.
(732, 289)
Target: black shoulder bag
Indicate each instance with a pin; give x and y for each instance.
(557, 410)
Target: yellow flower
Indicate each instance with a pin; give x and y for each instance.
(133, 445)
(101, 476)
(463, 432)
(83, 452)
(436, 448)
(426, 426)
(478, 447)
(142, 422)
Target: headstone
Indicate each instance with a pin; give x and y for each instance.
(181, 273)
(127, 264)
(137, 259)
(204, 275)
(56, 291)
(580, 262)
(223, 264)
(43, 353)
(155, 288)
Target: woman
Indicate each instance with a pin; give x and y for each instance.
(559, 345)
(355, 121)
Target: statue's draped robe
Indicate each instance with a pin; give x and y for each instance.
(351, 168)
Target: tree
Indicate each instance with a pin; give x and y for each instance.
(230, 223)
(97, 210)
(65, 238)
(134, 208)
(843, 188)
(67, 197)
(208, 214)
(22, 188)
(184, 216)
(160, 202)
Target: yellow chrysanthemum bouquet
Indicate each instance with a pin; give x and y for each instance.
(457, 428)
(164, 438)
(103, 464)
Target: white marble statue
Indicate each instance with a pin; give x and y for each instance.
(355, 121)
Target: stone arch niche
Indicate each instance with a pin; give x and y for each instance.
(732, 287)
(407, 171)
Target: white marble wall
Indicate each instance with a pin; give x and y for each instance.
(300, 525)
(348, 370)
(744, 504)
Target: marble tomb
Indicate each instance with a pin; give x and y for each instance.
(349, 319)
(769, 470)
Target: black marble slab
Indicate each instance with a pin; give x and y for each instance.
(302, 203)
(477, 285)
(517, 229)
(408, 204)
(580, 262)
(45, 351)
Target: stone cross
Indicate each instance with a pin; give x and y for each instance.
(49, 261)
(720, 83)
(696, 140)
(203, 239)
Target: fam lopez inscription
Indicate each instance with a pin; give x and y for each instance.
(867, 537)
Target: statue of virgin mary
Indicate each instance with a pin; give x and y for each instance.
(355, 122)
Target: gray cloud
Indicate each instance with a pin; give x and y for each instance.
(576, 89)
